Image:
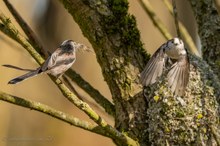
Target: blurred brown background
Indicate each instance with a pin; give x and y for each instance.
(52, 24)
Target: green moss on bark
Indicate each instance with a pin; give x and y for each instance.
(208, 22)
(185, 120)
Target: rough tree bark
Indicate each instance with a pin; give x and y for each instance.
(155, 116)
(208, 21)
(116, 41)
(160, 118)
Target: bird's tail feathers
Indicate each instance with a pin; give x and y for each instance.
(25, 76)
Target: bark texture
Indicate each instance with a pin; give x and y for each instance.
(189, 120)
(208, 22)
(116, 40)
(158, 118)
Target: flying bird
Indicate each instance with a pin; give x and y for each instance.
(178, 76)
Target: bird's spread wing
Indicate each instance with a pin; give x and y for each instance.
(178, 75)
(154, 67)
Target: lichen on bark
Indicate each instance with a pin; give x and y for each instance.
(161, 119)
(187, 120)
(208, 22)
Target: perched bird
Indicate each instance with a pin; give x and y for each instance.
(178, 76)
(56, 64)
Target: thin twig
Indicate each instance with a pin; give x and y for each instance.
(17, 68)
(94, 105)
(33, 105)
(14, 33)
(175, 14)
(26, 28)
(162, 28)
(8, 28)
(156, 20)
(72, 88)
(97, 96)
(185, 34)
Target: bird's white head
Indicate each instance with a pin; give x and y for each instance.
(176, 43)
(175, 48)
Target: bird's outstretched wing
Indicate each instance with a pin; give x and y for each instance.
(154, 67)
(178, 75)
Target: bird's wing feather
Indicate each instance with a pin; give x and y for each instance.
(178, 76)
(154, 67)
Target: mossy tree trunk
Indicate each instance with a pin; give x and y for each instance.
(159, 118)
(208, 20)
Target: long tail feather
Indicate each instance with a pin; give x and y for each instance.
(25, 76)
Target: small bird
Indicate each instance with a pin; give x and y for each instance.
(178, 76)
(56, 64)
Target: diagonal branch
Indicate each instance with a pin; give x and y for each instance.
(69, 84)
(184, 32)
(93, 115)
(156, 20)
(163, 29)
(27, 30)
(94, 93)
(208, 23)
(53, 113)
(8, 28)
(113, 33)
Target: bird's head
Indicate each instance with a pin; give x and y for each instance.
(70, 45)
(176, 43)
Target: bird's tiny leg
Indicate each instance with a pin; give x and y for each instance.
(59, 76)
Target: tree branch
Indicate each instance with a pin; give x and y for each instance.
(156, 20)
(184, 32)
(69, 85)
(8, 28)
(95, 94)
(175, 121)
(208, 22)
(162, 28)
(113, 33)
(182, 120)
(93, 115)
(26, 28)
(115, 38)
(53, 113)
